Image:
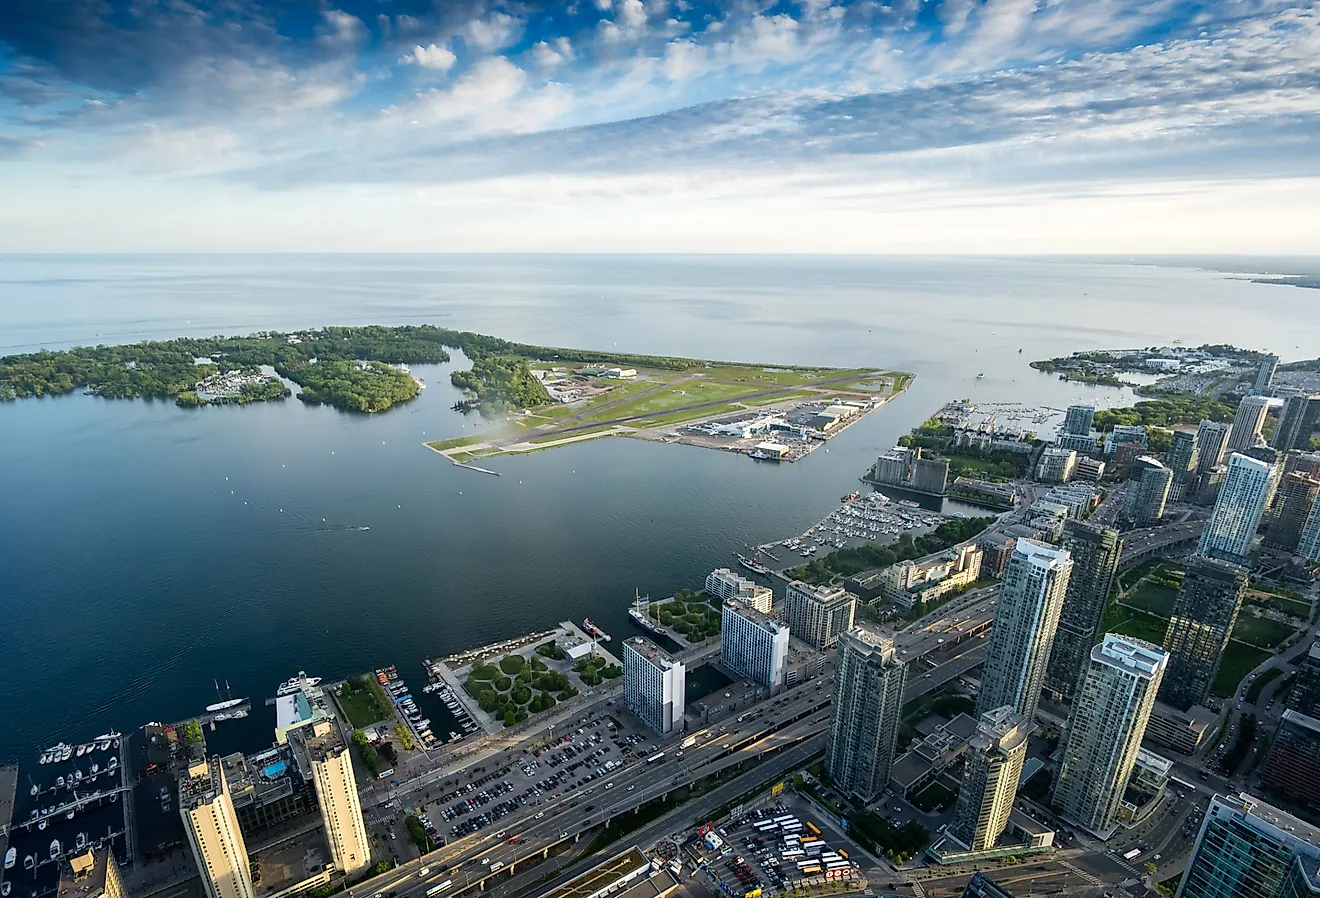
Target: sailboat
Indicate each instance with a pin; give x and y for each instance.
(638, 613)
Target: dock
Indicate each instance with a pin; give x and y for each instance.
(459, 464)
(210, 718)
(8, 789)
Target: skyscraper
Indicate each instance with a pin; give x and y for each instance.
(990, 778)
(818, 614)
(1095, 552)
(1211, 441)
(654, 685)
(1203, 617)
(1247, 489)
(1264, 381)
(868, 707)
(1308, 544)
(1292, 767)
(1078, 420)
(1305, 693)
(1030, 598)
(322, 754)
(1181, 458)
(1147, 492)
(92, 874)
(754, 645)
(1298, 420)
(1247, 422)
(212, 829)
(1249, 849)
(1297, 495)
(1108, 719)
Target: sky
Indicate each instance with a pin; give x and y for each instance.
(813, 126)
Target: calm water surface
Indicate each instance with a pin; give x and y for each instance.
(147, 551)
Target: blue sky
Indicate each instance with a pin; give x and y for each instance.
(661, 125)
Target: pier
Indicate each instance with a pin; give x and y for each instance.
(210, 718)
(459, 464)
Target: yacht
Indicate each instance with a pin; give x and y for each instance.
(66, 753)
(297, 684)
(10, 856)
(81, 842)
(220, 706)
(82, 750)
(29, 862)
(69, 816)
(54, 848)
(59, 782)
(96, 768)
(114, 762)
(5, 887)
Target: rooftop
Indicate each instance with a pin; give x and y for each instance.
(1131, 653)
(750, 614)
(1302, 720)
(602, 876)
(1040, 553)
(200, 783)
(314, 743)
(1271, 816)
(84, 875)
(651, 652)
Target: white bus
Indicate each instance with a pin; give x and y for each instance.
(437, 889)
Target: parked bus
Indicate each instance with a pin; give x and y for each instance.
(843, 854)
(437, 889)
(809, 839)
(656, 758)
(1132, 855)
(815, 830)
(808, 869)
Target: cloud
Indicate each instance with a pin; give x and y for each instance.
(551, 55)
(440, 59)
(495, 32)
(340, 30)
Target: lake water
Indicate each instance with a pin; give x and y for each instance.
(148, 551)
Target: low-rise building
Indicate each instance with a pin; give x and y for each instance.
(266, 789)
(997, 548)
(984, 492)
(1089, 469)
(1182, 731)
(1124, 434)
(1150, 777)
(910, 584)
(937, 752)
(725, 584)
(92, 874)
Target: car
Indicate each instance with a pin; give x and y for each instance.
(501, 834)
(425, 871)
(631, 787)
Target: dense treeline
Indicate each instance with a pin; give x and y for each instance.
(501, 382)
(854, 560)
(372, 388)
(1165, 413)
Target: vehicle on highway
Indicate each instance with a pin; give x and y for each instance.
(424, 872)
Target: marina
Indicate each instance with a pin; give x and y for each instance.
(406, 706)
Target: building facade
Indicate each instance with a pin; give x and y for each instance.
(654, 685)
(1114, 700)
(818, 614)
(1211, 443)
(1297, 422)
(1308, 544)
(1147, 492)
(1203, 617)
(1182, 456)
(990, 779)
(1264, 381)
(1292, 767)
(910, 584)
(1056, 465)
(1296, 501)
(725, 584)
(1095, 552)
(1077, 420)
(1248, 487)
(1030, 599)
(1247, 423)
(212, 829)
(753, 645)
(324, 759)
(868, 708)
(1305, 693)
(1249, 849)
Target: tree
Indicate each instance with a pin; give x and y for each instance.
(192, 733)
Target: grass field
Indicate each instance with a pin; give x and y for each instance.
(1260, 631)
(569, 436)
(1131, 622)
(454, 443)
(1238, 661)
(1153, 597)
(763, 379)
(680, 417)
(1131, 576)
(689, 392)
(1296, 607)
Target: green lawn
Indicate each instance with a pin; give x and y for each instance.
(1153, 597)
(455, 442)
(689, 392)
(1260, 631)
(1238, 661)
(761, 379)
(574, 435)
(1131, 576)
(363, 705)
(1298, 608)
(680, 417)
(1254, 690)
(1131, 622)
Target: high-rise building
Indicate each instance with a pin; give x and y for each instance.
(1246, 492)
(1247, 422)
(1027, 614)
(212, 829)
(1125, 435)
(1296, 461)
(725, 584)
(1203, 616)
(1078, 420)
(1211, 442)
(1308, 544)
(753, 645)
(1298, 420)
(323, 758)
(92, 874)
(1114, 700)
(654, 685)
(1264, 381)
(1297, 495)
(1305, 693)
(868, 709)
(1182, 457)
(1095, 552)
(991, 772)
(1056, 465)
(818, 614)
(1147, 492)
(1249, 849)
(1292, 768)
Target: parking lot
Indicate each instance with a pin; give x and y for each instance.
(478, 798)
(778, 848)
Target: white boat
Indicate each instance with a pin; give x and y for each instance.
(67, 753)
(5, 887)
(59, 782)
(114, 762)
(82, 750)
(297, 684)
(77, 776)
(81, 842)
(54, 848)
(29, 862)
(96, 768)
(41, 826)
(220, 706)
(69, 816)
(10, 857)
(35, 789)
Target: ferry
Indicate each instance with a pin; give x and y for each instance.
(638, 613)
(297, 684)
(593, 630)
